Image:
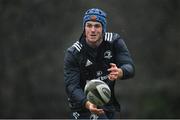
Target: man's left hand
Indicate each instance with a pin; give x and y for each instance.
(115, 72)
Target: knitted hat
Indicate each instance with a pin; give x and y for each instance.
(95, 14)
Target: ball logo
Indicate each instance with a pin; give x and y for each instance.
(105, 91)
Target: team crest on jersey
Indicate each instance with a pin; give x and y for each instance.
(108, 54)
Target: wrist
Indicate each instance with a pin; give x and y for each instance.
(87, 104)
(120, 73)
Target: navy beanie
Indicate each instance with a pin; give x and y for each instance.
(95, 14)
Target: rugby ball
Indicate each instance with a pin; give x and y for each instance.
(97, 92)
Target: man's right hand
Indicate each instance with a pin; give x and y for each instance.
(93, 108)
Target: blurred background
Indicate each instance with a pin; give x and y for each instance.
(35, 33)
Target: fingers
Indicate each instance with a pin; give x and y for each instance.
(112, 77)
(93, 108)
(113, 65)
(115, 72)
(97, 111)
(112, 69)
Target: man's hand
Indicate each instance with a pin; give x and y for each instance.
(115, 72)
(93, 108)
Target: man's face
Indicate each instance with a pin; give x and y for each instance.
(93, 31)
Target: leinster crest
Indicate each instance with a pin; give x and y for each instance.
(108, 54)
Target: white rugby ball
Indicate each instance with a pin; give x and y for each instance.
(97, 92)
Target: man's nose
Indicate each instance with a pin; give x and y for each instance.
(93, 28)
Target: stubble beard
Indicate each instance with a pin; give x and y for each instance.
(95, 43)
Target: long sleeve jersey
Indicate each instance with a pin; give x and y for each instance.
(83, 63)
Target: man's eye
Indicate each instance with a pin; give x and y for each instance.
(97, 26)
(89, 25)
